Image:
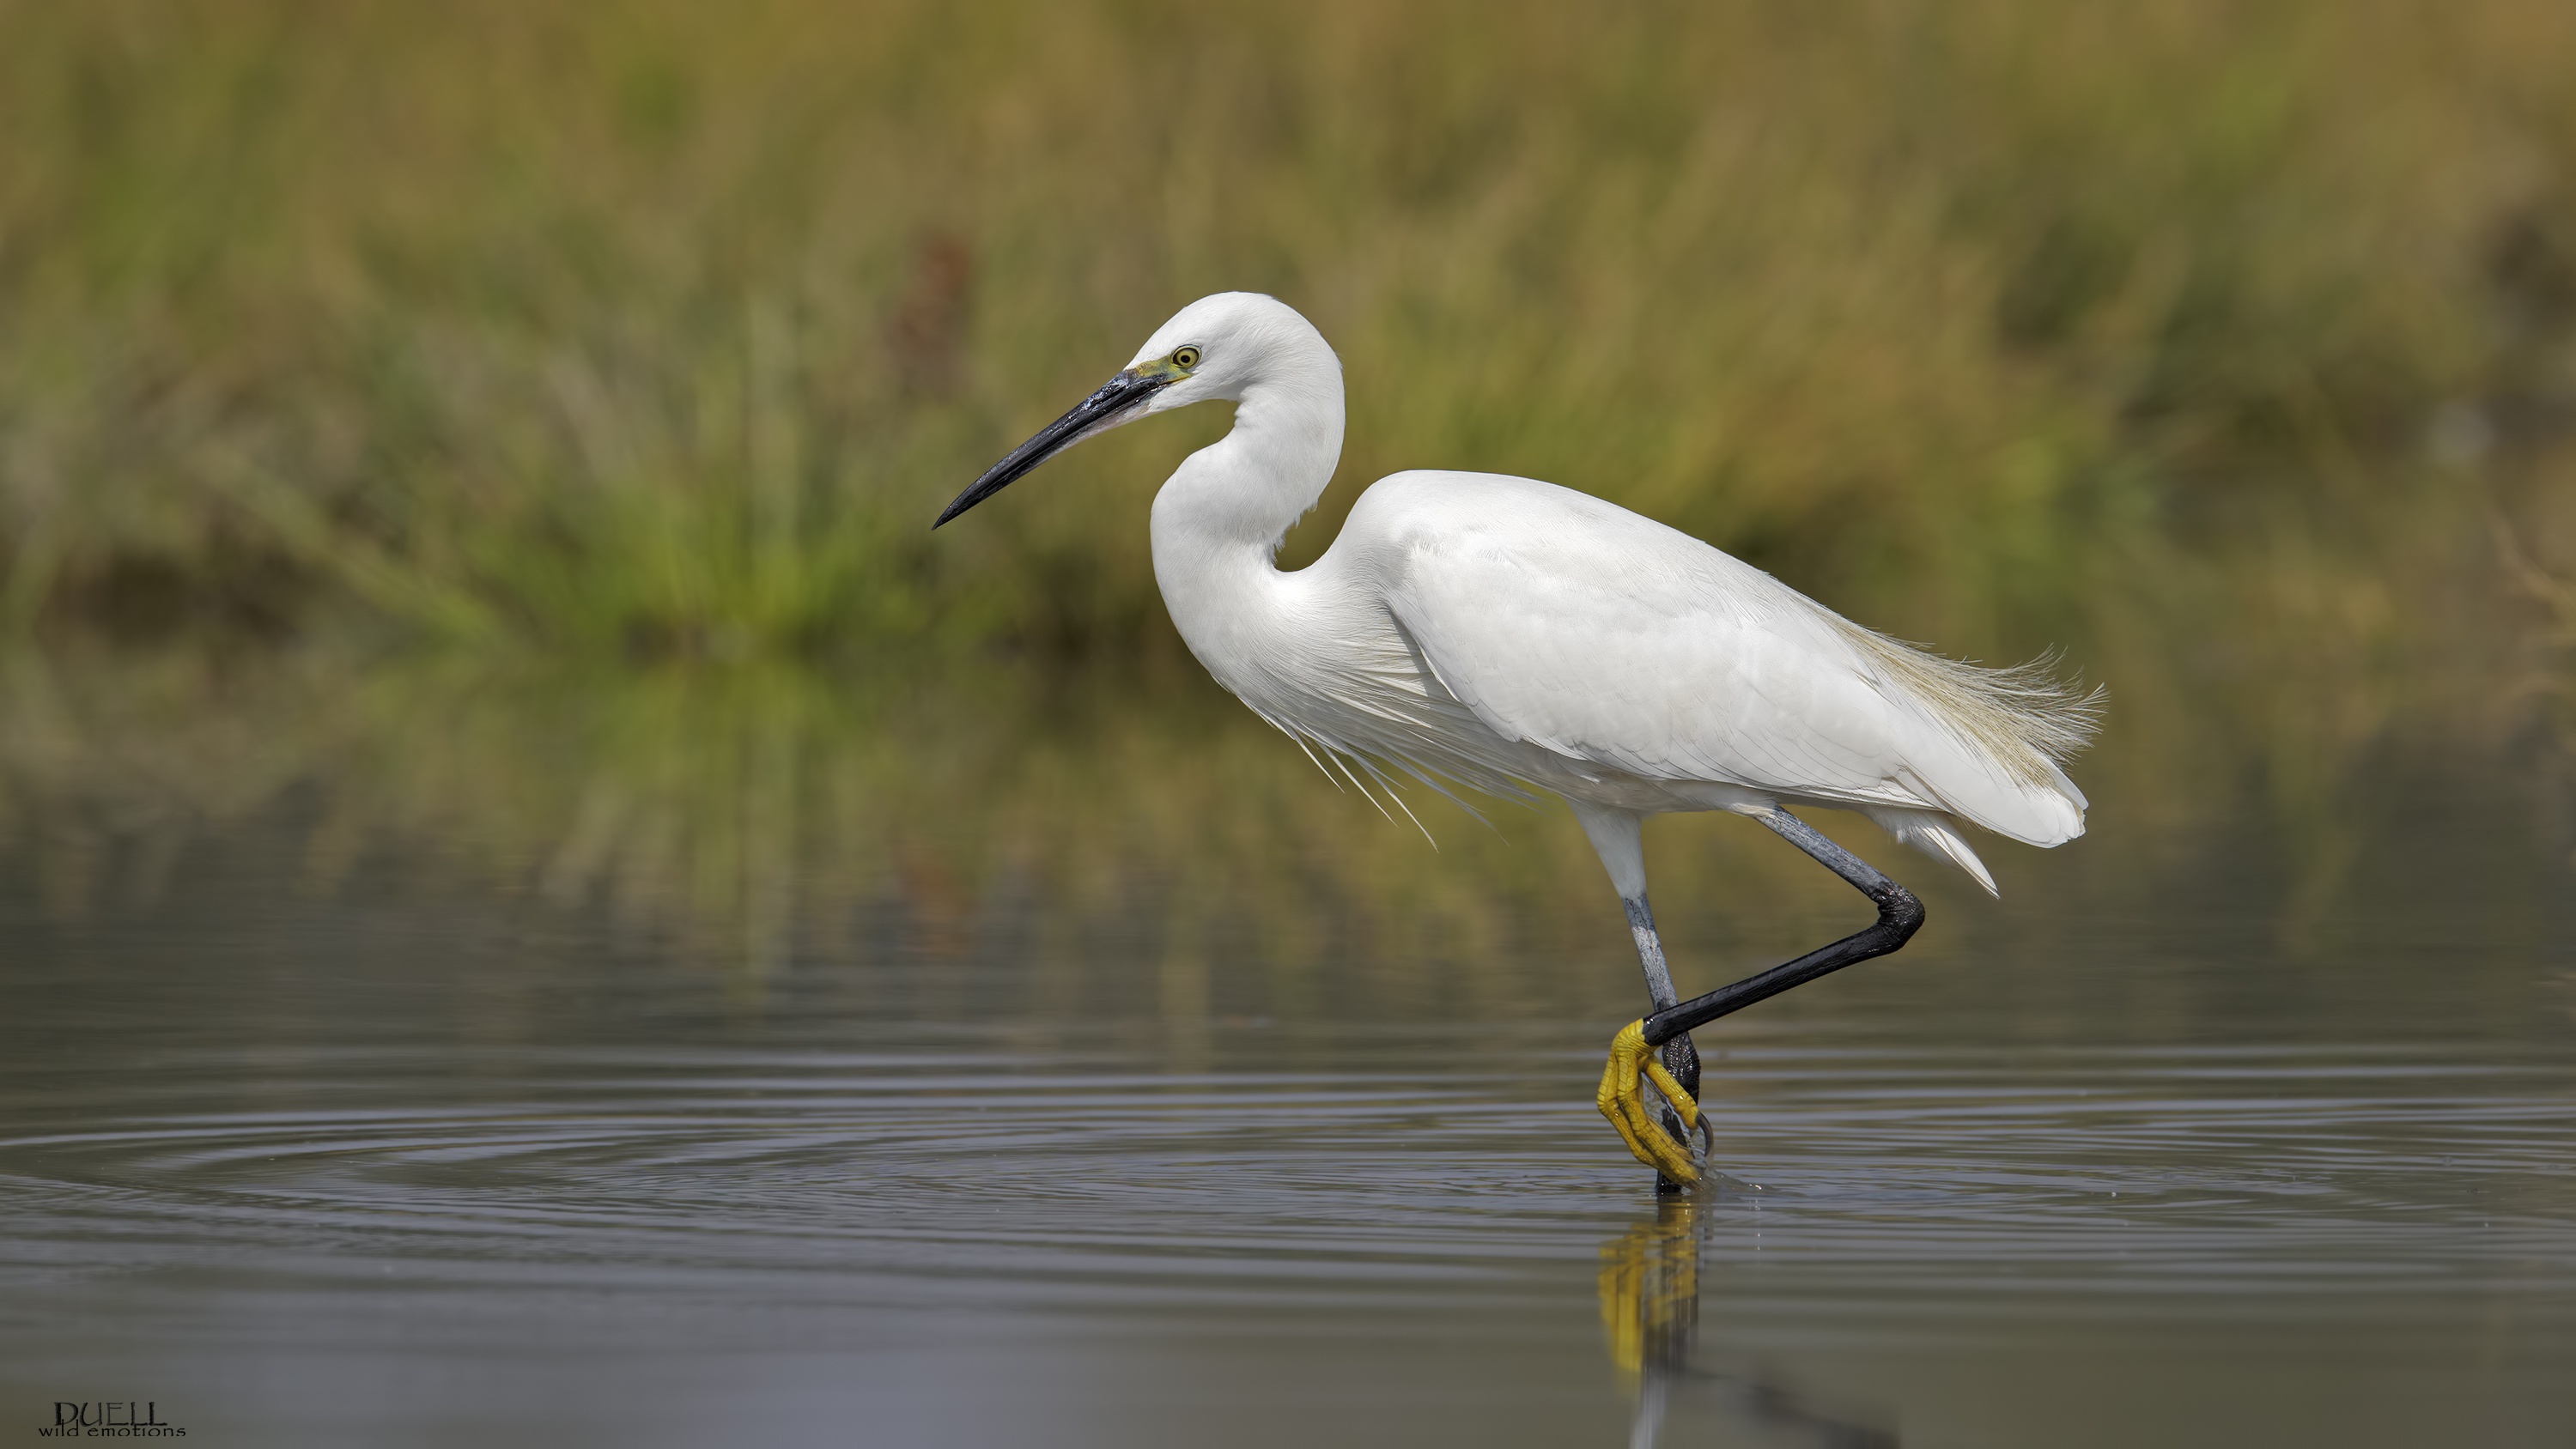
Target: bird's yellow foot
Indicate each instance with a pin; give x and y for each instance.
(1620, 1100)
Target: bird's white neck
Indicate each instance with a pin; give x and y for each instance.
(1234, 500)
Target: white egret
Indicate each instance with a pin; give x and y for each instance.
(1510, 636)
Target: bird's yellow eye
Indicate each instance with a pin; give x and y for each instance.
(1186, 357)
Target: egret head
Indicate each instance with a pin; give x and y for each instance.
(1212, 349)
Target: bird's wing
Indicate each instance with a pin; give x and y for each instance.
(1608, 638)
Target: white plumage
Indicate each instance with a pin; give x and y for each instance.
(1511, 636)
(1503, 633)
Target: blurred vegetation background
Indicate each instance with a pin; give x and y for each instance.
(550, 400)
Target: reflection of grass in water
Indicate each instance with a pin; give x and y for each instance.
(646, 327)
(1057, 829)
(748, 809)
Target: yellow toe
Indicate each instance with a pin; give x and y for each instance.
(1672, 1090)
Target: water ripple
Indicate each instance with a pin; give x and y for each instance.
(2119, 1178)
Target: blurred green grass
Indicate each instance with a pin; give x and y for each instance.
(649, 328)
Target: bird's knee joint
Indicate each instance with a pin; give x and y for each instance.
(1900, 912)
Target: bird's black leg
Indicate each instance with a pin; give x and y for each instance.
(1899, 915)
(1681, 1058)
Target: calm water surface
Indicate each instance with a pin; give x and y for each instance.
(417, 1158)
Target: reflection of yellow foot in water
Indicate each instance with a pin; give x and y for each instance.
(1650, 1291)
(1650, 1321)
(1624, 1104)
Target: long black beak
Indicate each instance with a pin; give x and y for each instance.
(1098, 413)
